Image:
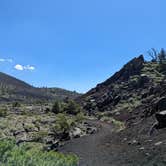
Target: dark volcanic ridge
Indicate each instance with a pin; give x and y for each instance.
(13, 89)
(136, 84)
(135, 97)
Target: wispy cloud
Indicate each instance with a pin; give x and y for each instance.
(17, 66)
(6, 60)
(22, 67)
(29, 67)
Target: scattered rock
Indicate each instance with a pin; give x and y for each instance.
(147, 154)
(158, 143)
(149, 140)
(142, 148)
(65, 136)
(134, 142)
(125, 139)
(161, 104)
(91, 130)
(53, 146)
(49, 140)
(161, 118)
(76, 133)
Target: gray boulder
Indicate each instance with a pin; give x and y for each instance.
(76, 133)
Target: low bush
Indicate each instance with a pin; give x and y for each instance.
(80, 117)
(64, 123)
(162, 68)
(69, 107)
(72, 108)
(57, 107)
(3, 112)
(16, 104)
(27, 155)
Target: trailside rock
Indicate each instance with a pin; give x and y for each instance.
(161, 104)
(76, 133)
(161, 118)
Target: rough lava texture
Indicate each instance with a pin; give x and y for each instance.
(135, 95)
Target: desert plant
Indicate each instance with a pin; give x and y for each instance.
(38, 136)
(16, 104)
(72, 108)
(80, 117)
(56, 107)
(63, 123)
(3, 112)
(32, 155)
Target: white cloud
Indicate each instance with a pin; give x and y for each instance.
(6, 60)
(21, 67)
(28, 67)
(17, 66)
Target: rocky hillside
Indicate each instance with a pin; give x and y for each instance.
(137, 83)
(135, 97)
(12, 89)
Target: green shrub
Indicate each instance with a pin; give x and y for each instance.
(64, 123)
(72, 108)
(120, 125)
(69, 107)
(16, 104)
(38, 136)
(56, 107)
(80, 117)
(162, 68)
(32, 155)
(3, 112)
(117, 124)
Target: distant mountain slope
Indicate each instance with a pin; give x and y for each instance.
(13, 89)
(9, 80)
(60, 94)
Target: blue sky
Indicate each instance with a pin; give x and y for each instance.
(75, 44)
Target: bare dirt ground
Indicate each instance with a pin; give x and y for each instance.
(131, 147)
(93, 149)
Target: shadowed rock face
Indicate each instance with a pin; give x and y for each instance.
(136, 95)
(111, 92)
(131, 68)
(161, 118)
(161, 105)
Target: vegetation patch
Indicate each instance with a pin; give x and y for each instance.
(67, 106)
(32, 155)
(3, 112)
(119, 125)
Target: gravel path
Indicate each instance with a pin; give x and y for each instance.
(93, 150)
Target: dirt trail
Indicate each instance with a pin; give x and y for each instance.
(93, 150)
